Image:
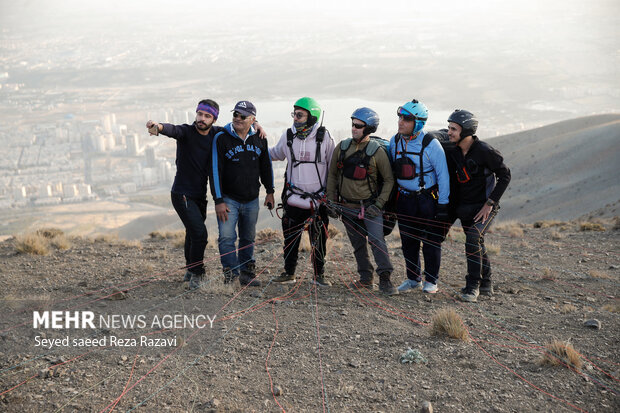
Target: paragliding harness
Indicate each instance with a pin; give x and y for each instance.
(356, 167)
(404, 167)
(289, 188)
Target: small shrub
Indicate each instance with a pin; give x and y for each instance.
(493, 249)
(50, 233)
(616, 225)
(173, 235)
(333, 232)
(511, 228)
(107, 238)
(267, 234)
(556, 236)
(448, 322)
(591, 226)
(566, 308)
(599, 274)
(60, 242)
(612, 308)
(32, 243)
(549, 223)
(547, 274)
(560, 353)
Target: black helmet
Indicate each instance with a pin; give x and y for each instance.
(466, 120)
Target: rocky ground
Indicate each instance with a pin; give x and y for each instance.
(296, 348)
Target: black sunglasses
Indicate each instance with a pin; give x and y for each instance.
(357, 125)
(239, 115)
(297, 115)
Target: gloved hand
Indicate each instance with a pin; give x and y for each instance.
(442, 214)
(373, 211)
(333, 210)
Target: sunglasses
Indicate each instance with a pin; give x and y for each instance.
(297, 115)
(357, 125)
(402, 113)
(239, 115)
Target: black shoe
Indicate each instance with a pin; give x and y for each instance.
(486, 287)
(321, 281)
(229, 276)
(470, 294)
(195, 281)
(385, 285)
(284, 278)
(248, 279)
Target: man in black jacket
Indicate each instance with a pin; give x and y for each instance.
(481, 179)
(239, 158)
(189, 190)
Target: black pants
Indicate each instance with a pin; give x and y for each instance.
(292, 223)
(193, 213)
(478, 264)
(417, 225)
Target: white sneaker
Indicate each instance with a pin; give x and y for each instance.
(409, 285)
(429, 288)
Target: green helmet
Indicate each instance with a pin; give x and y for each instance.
(312, 106)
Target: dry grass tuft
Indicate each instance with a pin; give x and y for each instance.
(268, 234)
(50, 233)
(548, 274)
(566, 308)
(616, 224)
(32, 243)
(599, 274)
(493, 248)
(556, 236)
(511, 228)
(167, 234)
(561, 353)
(549, 223)
(448, 322)
(333, 232)
(105, 238)
(591, 226)
(612, 308)
(60, 242)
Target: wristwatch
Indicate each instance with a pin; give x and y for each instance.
(490, 202)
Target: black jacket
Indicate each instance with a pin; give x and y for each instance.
(238, 165)
(488, 175)
(193, 159)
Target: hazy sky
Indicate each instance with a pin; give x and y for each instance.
(560, 55)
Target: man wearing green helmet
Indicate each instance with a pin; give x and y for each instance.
(307, 147)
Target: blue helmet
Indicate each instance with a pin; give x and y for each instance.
(414, 110)
(369, 117)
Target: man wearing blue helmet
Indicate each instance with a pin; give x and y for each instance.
(421, 174)
(359, 184)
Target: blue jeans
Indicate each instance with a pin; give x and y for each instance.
(245, 216)
(193, 212)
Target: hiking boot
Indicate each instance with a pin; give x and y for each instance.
(195, 281)
(285, 278)
(469, 294)
(486, 287)
(320, 281)
(385, 285)
(187, 276)
(409, 285)
(360, 284)
(248, 279)
(229, 276)
(429, 287)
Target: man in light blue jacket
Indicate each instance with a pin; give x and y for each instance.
(421, 172)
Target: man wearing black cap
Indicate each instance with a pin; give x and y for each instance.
(239, 159)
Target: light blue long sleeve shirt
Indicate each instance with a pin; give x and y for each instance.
(435, 165)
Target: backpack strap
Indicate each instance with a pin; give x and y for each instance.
(425, 142)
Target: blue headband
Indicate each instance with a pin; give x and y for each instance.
(208, 109)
